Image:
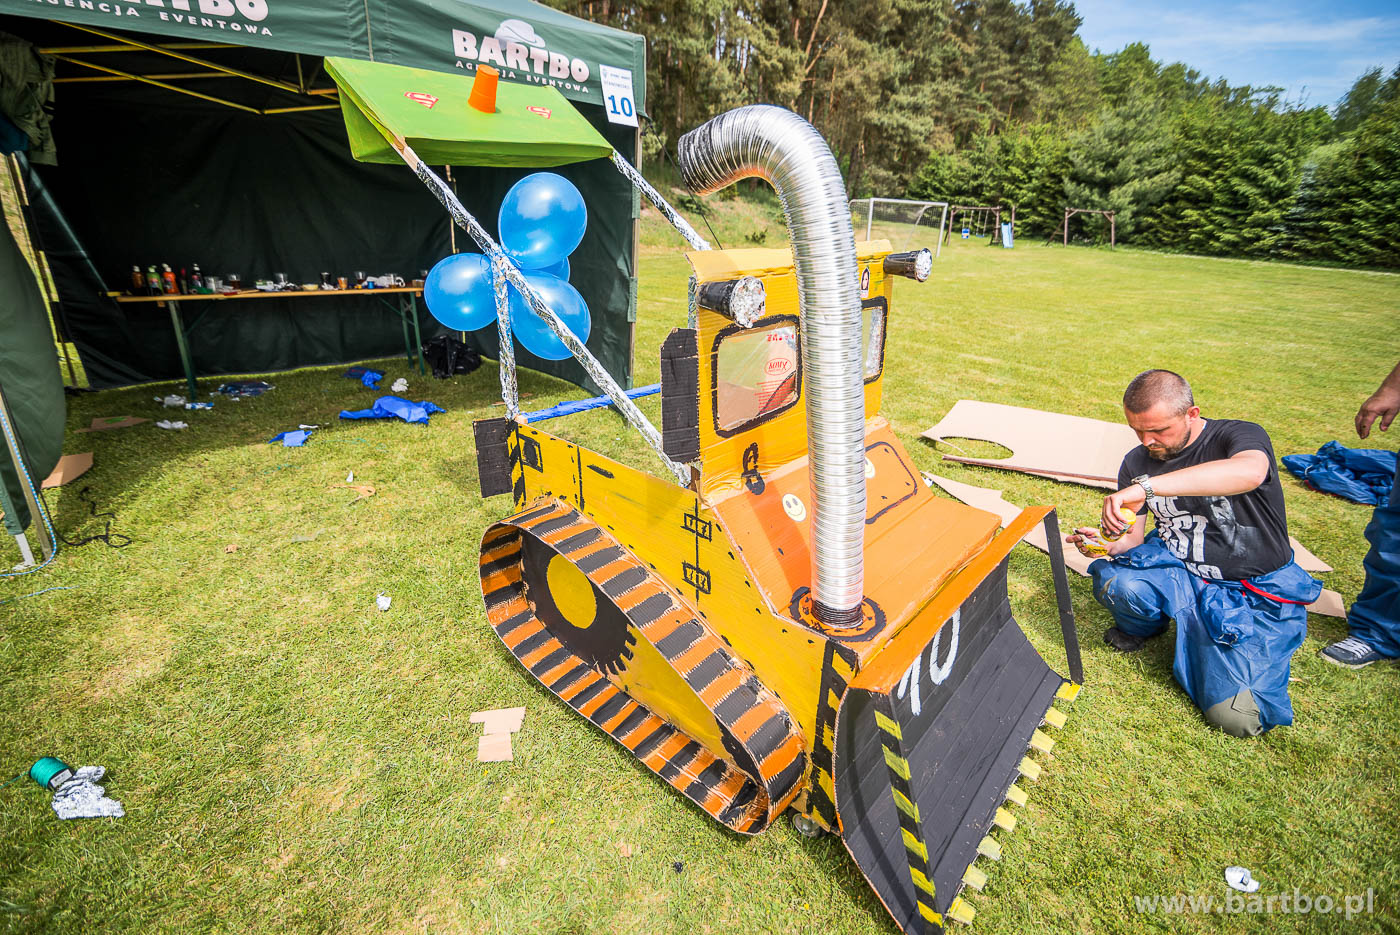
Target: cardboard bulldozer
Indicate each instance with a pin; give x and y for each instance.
(687, 620)
(789, 618)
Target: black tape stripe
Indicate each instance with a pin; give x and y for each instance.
(545, 527)
(504, 594)
(740, 805)
(736, 704)
(651, 609)
(583, 697)
(532, 643)
(500, 564)
(784, 782)
(680, 639)
(609, 709)
(591, 563)
(569, 678)
(550, 661)
(526, 518)
(706, 781)
(683, 758)
(768, 738)
(509, 625)
(707, 670)
(651, 741)
(631, 722)
(578, 541)
(624, 581)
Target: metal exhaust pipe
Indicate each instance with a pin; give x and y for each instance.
(780, 147)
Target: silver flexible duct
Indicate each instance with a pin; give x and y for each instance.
(780, 147)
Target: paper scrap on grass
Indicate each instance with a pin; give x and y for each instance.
(493, 748)
(399, 385)
(171, 402)
(394, 407)
(1328, 604)
(500, 720)
(69, 467)
(364, 490)
(112, 422)
(383, 601)
(1241, 879)
(168, 424)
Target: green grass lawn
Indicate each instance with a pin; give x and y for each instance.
(292, 759)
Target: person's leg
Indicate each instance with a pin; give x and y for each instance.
(1373, 622)
(1134, 598)
(1237, 716)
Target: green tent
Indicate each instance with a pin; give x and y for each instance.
(213, 135)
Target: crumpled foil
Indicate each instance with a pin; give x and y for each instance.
(81, 797)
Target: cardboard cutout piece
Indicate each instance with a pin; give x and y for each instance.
(112, 422)
(69, 467)
(1329, 604)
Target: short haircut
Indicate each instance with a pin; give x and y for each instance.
(1158, 386)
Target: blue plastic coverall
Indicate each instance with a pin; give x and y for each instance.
(1233, 644)
(1375, 617)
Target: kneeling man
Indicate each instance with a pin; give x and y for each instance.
(1219, 562)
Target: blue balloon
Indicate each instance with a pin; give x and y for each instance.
(564, 300)
(560, 269)
(542, 220)
(459, 292)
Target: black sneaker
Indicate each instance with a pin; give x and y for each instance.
(1351, 653)
(1123, 641)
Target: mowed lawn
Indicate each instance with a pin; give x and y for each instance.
(291, 759)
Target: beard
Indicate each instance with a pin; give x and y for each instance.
(1166, 454)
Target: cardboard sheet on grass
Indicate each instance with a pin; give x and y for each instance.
(986, 498)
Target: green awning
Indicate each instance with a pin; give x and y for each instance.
(532, 126)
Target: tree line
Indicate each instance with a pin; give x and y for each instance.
(1000, 102)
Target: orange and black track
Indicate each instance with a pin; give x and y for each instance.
(602, 631)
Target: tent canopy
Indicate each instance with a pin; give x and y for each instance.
(532, 126)
(236, 159)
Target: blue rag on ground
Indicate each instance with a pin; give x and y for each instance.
(369, 378)
(394, 407)
(293, 439)
(1364, 475)
(1228, 638)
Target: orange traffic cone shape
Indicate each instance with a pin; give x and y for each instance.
(483, 96)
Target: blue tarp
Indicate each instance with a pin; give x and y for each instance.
(369, 378)
(581, 405)
(293, 439)
(394, 407)
(1364, 475)
(1228, 638)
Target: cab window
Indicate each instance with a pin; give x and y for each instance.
(757, 374)
(872, 338)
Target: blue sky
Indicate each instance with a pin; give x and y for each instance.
(1309, 48)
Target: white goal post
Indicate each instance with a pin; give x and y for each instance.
(900, 220)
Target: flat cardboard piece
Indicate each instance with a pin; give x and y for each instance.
(494, 748)
(1329, 603)
(1049, 444)
(500, 720)
(69, 467)
(112, 422)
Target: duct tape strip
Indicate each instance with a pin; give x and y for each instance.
(671, 214)
(510, 391)
(595, 370)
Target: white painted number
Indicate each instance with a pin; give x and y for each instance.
(909, 683)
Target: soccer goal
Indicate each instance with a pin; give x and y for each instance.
(905, 224)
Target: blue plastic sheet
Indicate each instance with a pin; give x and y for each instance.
(394, 407)
(293, 439)
(1364, 475)
(369, 378)
(1228, 638)
(239, 388)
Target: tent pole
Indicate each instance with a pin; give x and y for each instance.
(126, 47)
(159, 84)
(203, 63)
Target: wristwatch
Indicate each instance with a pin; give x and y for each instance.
(1145, 482)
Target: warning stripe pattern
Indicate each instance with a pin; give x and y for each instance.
(751, 714)
(910, 825)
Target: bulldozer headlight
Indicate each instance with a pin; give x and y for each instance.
(915, 264)
(741, 299)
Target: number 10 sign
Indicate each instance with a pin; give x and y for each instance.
(617, 95)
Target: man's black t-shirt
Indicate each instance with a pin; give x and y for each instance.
(1219, 537)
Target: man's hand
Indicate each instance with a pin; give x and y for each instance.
(1083, 539)
(1131, 497)
(1383, 404)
